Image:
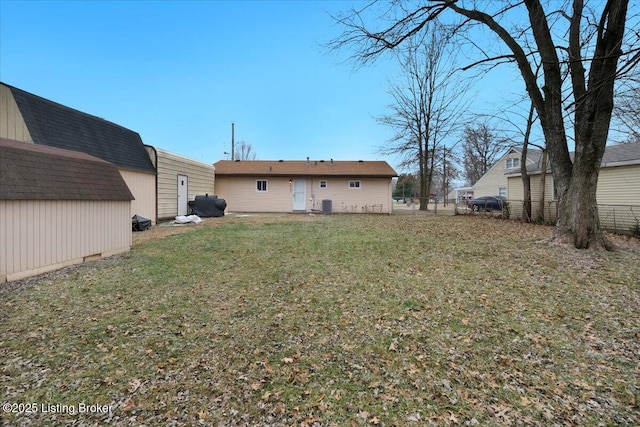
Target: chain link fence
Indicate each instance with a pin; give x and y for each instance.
(620, 219)
(411, 206)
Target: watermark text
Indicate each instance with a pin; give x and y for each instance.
(55, 408)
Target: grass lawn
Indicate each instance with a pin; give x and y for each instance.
(330, 320)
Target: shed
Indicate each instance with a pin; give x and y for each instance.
(58, 208)
(179, 180)
(30, 118)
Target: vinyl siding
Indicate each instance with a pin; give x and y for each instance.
(12, 125)
(241, 195)
(490, 183)
(143, 187)
(619, 185)
(616, 186)
(516, 196)
(169, 166)
(39, 236)
(374, 195)
(516, 192)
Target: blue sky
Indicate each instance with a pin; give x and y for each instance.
(179, 73)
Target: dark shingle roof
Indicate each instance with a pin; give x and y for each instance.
(304, 168)
(56, 125)
(37, 172)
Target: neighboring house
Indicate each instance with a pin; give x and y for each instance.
(179, 180)
(305, 186)
(494, 182)
(32, 119)
(57, 208)
(618, 181)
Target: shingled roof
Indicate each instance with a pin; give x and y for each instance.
(37, 172)
(621, 155)
(380, 169)
(614, 155)
(56, 125)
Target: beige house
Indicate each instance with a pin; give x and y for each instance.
(618, 184)
(179, 180)
(58, 208)
(29, 118)
(494, 182)
(305, 186)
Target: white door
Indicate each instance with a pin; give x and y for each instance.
(299, 195)
(183, 194)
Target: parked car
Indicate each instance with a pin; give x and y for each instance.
(490, 203)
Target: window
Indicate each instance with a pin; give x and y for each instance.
(261, 185)
(502, 191)
(512, 163)
(323, 184)
(354, 185)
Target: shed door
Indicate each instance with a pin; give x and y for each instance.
(299, 195)
(183, 194)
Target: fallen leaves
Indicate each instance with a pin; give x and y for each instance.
(337, 321)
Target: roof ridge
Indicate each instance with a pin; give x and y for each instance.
(57, 104)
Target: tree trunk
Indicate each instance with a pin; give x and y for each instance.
(543, 186)
(526, 186)
(526, 180)
(579, 219)
(578, 222)
(583, 216)
(424, 193)
(422, 171)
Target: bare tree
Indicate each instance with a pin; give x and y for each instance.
(425, 106)
(592, 61)
(447, 172)
(244, 151)
(627, 111)
(480, 147)
(526, 179)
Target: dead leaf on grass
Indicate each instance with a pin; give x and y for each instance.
(128, 405)
(364, 415)
(414, 417)
(134, 385)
